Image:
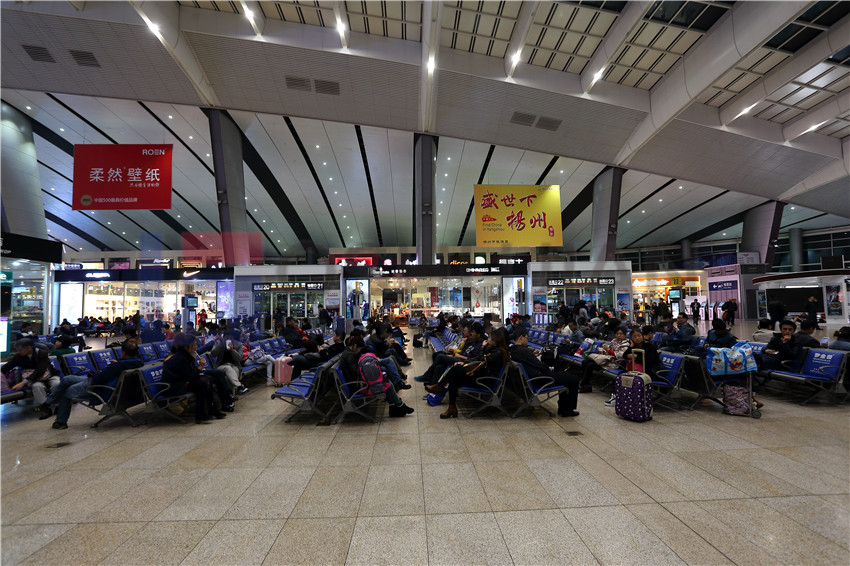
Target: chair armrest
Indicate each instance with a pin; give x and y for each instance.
(547, 381)
(156, 394)
(354, 383)
(73, 369)
(662, 373)
(836, 377)
(480, 381)
(90, 391)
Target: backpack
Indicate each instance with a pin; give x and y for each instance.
(370, 372)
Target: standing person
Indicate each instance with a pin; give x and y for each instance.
(732, 307)
(695, 306)
(178, 321)
(811, 310)
(137, 320)
(324, 319)
(777, 312)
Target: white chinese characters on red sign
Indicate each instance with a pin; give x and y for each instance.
(122, 177)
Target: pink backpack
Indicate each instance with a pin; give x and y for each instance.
(370, 372)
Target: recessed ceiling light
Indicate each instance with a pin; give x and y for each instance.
(336, 192)
(724, 233)
(29, 107)
(661, 200)
(348, 227)
(643, 212)
(264, 221)
(255, 210)
(344, 216)
(449, 158)
(284, 249)
(48, 230)
(562, 171)
(109, 222)
(317, 146)
(271, 231)
(680, 187)
(437, 224)
(792, 208)
(324, 162)
(170, 117)
(441, 202)
(445, 174)
(202, 235)
(208, 155)
(125, 233)
(191, 138)
(178, 216)
(439, 214)
(444, 188)
(66, 239)
(351, 237)
(340, 204)
(628, 221)
(61, 129)
(278, 241)
(52, 189)
(190, 225)
(330, 178)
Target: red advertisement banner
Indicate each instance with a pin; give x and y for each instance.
(118, 177)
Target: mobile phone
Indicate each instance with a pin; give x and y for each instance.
(229, 343)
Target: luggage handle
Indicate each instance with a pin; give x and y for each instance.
(642, 361)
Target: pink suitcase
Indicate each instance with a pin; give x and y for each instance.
(282, 370)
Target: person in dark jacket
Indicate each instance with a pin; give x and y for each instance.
(719, 336)
(74, 386)
(521, 353)
(811, 310)
(493, 358)
(152, 333)
(471, 348)
(777, 312)
(292, 334)
(324, 318)
(36, 368)
(182, 371)
(355, 347)
(804, 337)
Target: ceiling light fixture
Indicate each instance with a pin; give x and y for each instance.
(449, 158)
(191, 138)
(153, 27)
(61, 129)
(170, 117)
(208, 155)
(317, 146)
(643, 212)
(598, 76)
(746, 110)
(431, 64)
(680, 187)
(661, 200)
(330, 178)
(724, 233)
(249, 14)
(792, 208)
(628, 221)
(29, 107)
(52, 188)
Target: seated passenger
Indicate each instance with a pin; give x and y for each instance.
(764, 333)
(607, 356)
(152, 333)
(182, 371)
(74, 386)
(257, 355)
(227, 356)
(681, 334)
(63, 346)
(472, 346)
(292, 333)
(719, 336)
(842, 339)
(464, 373)
(350, 367)
(524, 355)
(36, 370)
(804, 337)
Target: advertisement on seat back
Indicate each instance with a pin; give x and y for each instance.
(518, 215)
(122, 176)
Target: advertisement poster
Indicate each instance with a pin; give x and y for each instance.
(623, 303)
(332, 300)
(122, 176)
(518, 215)
(833, 300)
(539, 299)
(243, 303)
(224, 298)
(761, 302)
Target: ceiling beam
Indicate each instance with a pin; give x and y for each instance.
(74, 229)
(519, 37)
(163, 19)
(341, 24)
(77, 4)
(817, 51)
(832, 172)
(624, 25)
(743, 29)
(817, 115)
(254, 13)
(431, 24)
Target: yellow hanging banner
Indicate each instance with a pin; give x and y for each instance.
(518, 215)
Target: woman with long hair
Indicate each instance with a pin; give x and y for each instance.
(490, 363)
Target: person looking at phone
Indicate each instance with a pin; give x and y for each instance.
(227, 356)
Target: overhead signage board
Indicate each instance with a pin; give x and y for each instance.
(722, 285)
(122, 176)
(290, 286)
(562, 281)
(518, 215)
(144, 275)
(16, 246)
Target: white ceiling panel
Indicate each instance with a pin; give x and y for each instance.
(458, 169)
(260, 205)
(390, 157)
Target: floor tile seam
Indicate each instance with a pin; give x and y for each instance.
(581, 538)
(827, 472)
(662, 480)
(798, 522)
(359, 502)
(676, 517)
(756, 466)
(271, 546)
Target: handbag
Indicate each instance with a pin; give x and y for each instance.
(473, 368)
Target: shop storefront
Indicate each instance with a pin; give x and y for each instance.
(679, 288)
(27, 273)
(264, 291)
(829, 287)
(408, 291)
(155, 293)
(605, 286)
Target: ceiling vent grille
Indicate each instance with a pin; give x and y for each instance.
(39, 53)
(522, 119)
(84, 58)
(326, 87)
(550, 124)
(298, 83)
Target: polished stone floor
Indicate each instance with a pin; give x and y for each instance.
(694, 487)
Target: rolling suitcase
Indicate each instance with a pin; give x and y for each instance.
(282, 370)
(634, 394)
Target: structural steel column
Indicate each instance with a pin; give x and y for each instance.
(795, 242)
(606, 212)
(687, 253)
(424, 152)
(226, 141)
(761, 230)
(23, 205)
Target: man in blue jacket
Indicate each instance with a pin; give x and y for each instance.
(74, 386)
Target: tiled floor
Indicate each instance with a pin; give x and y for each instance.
(687, 487)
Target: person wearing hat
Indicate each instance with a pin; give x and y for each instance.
(36, 369)
(63, 346)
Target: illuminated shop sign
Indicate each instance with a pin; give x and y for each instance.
(290, 286)
(580, 281)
